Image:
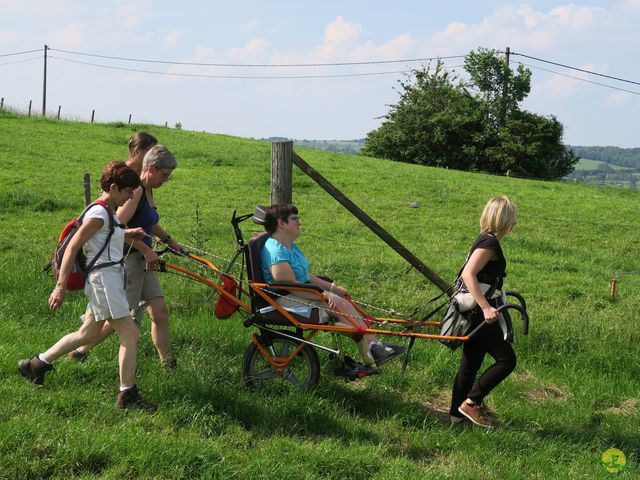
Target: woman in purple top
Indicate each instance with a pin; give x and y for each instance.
(143, 287)
(485, 265)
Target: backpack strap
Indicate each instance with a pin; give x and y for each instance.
(91, 265)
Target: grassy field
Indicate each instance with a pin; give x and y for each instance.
(574, 394)
(587, 164)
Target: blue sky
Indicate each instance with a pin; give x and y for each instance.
(598, 36)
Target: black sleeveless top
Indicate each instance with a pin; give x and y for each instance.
(494, 271)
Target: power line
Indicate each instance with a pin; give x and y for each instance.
(581, 79)
(21, 61)
(20, 53)
(577, 69)
(334, 64)
(236, 77)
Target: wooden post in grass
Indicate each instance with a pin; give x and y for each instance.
(30, 101)
(59, 107)
(614, 284)
(93, 114)
(1, 104)
(87, 189)
(371, 224)
(281, 171)
(129, 119)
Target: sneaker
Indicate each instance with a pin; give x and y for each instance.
(34, 369)
(352, 370)
(476, 414)
(131, 399)
(77, 356)
(398, 349)
(382, 354)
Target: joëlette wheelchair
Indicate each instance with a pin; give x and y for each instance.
(283, 346)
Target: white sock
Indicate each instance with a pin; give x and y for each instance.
(42, 359)
(124, 389)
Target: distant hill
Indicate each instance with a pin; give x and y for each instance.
(613, 166)
(340, 146)
(622, 157)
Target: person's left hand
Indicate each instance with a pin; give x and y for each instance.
(175, 246)
(340, 291)
(137, 233)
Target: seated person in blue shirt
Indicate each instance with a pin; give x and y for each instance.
(282, 261)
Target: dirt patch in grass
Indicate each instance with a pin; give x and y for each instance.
(538, 391)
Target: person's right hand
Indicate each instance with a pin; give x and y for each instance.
(490, 314)
(56, 298)
(151, 259)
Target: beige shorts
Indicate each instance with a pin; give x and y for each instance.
(142, 285)
(105, 290)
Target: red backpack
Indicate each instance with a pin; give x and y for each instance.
(80, 267)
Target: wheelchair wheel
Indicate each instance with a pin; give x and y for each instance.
(302, 372)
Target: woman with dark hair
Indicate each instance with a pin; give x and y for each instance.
(104, 286)
(484, 271)
(283, 261)
(139, 144)
(143, 287)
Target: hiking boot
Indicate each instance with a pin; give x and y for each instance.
(77, 356)
(382, 354)
(131, 399)
(34, 369)
(476, 414)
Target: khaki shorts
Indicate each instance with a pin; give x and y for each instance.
(142, 285)
(105, 290)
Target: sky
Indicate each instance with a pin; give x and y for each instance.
(322, 103)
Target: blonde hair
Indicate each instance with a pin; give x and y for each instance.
(498, 216)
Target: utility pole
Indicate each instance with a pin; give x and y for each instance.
(505, 86)
(44, 84)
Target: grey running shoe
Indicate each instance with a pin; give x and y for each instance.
(382, 354)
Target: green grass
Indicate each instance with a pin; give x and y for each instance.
(574, 393)
(587, 164)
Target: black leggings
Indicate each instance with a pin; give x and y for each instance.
(488, 340)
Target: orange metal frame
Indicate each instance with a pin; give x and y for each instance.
(279, 363)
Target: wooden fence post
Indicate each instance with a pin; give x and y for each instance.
(281, 171)
(59, 107)
(93, 113)
(87, 189)
(1, 104)
(30, 107)
(129, 119)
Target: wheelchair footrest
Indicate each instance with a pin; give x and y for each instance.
(352, 370)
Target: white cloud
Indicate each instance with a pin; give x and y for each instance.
(342, 31)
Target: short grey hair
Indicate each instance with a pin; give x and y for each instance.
(160, 156)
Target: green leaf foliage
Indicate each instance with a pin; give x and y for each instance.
(475, 125)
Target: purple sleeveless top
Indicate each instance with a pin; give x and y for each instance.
(145, 216)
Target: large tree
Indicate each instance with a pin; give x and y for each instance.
(475, 125)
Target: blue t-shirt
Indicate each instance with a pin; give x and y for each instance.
(274, 252)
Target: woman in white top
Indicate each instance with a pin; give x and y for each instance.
(104, 286)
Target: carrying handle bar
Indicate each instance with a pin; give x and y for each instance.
(519, 308)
